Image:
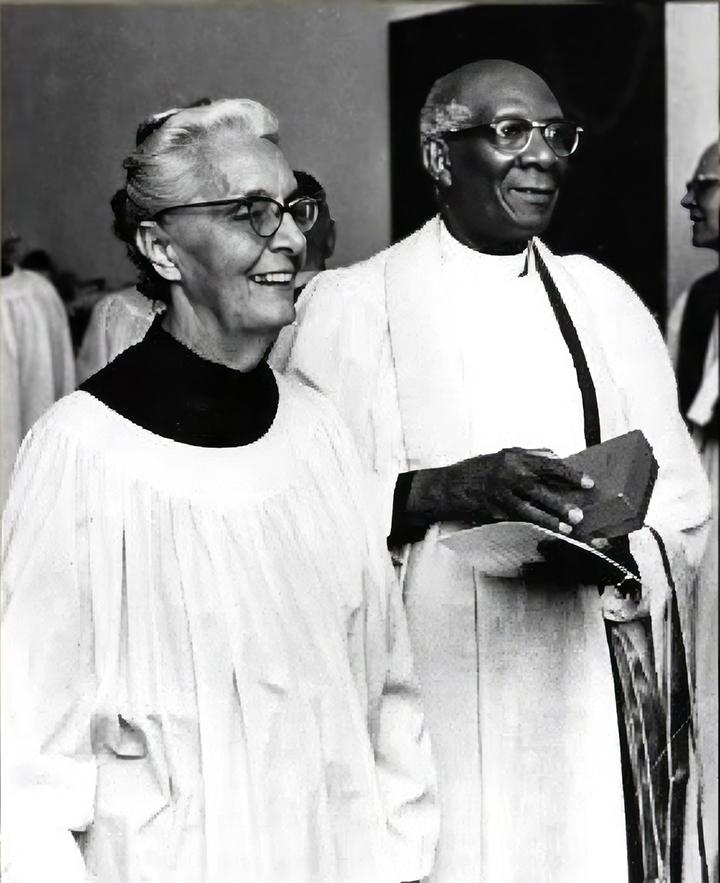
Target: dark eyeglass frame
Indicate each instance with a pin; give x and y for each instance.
(246, 201)
(530, 126)
(704, 182)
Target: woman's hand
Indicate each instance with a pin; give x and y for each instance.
(513, 484)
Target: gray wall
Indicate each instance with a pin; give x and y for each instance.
(692, 75)
(77, 80)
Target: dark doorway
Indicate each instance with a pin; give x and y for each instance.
(606, 64)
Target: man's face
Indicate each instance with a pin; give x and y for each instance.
(498, 199)
(702, 199)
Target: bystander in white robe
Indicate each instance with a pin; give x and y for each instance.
(707, 641)
(37, 365)
(118, 320)
(206, 666)
(435, 353)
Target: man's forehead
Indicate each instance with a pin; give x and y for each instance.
(477, 94)
(710, 161)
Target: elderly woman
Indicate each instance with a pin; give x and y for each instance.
(207, 667)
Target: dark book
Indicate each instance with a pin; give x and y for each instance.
(624, 470)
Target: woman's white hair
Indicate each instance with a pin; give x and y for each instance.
(173, 155)
(169, 161)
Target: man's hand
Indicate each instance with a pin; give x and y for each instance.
(512, 485)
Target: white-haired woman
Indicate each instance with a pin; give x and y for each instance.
(207, 670)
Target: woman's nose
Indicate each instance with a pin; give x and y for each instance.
(288, 236)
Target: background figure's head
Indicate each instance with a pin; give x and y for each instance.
(320, 239)
(497, 177)
(209, 212)
(702, 199)
(39, 261)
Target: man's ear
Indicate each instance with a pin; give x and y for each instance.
(436, 159)
(154, 243)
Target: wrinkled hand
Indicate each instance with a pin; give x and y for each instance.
(512, 485)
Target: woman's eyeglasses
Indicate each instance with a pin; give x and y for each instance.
(264, 213)
(512, 134)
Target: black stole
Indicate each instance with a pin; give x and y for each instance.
(701, 308)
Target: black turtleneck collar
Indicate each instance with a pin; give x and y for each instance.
(162, 386)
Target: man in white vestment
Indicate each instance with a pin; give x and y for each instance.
(694, 342)
(462, 358)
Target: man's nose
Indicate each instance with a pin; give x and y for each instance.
(538, 152)
(688, 201)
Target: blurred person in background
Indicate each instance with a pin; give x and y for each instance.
(118, 320)
(37, 365)
(320, 240)
(693, 342)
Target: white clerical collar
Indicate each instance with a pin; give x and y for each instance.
(508, 265)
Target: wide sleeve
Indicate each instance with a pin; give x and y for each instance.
(403, 757)
(669, 548)
(48, 670)
(340, 345)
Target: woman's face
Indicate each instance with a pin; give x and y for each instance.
(244, 280)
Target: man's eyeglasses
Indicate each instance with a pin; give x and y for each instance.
(701, 184)
(512, 134)
(264, 213)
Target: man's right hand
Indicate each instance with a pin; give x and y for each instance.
(513, 484)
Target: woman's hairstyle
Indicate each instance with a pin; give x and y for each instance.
(169, 160)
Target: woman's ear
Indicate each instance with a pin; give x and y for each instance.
(436, 159)
(154, 243)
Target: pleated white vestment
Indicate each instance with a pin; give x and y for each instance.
(205, 663)
(435, 353)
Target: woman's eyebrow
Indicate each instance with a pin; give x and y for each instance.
(256, 191)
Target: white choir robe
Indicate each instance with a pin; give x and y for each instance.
(119, 320)
(435, 353)
(205, 661)
(37, 365)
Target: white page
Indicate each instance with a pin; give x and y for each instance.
(502, 549)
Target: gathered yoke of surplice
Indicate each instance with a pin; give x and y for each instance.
(435, 353)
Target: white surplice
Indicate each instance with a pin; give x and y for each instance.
(118, 320)
(434, 353)
(205, 661)
(37, 365)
